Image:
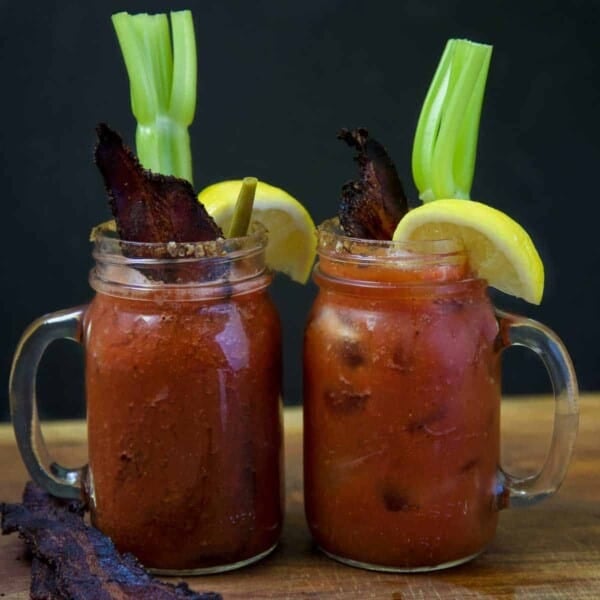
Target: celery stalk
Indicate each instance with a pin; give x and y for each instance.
(429, 121)
(445, 145)
(162, 77)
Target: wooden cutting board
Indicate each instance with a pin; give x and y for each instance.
(550, 551)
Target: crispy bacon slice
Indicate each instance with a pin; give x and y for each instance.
(149, 207)
(75, 561)
(372, 206)
(43, 582)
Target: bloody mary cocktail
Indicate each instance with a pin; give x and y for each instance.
(183, 383)
(401, 401)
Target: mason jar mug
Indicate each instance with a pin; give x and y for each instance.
(183, 394)
(402, 389)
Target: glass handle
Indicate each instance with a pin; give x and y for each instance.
(57, 480)
(520, 331)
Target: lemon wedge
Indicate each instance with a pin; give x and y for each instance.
(292, 242)
(499, 249)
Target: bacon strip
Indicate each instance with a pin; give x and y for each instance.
(371, 207)
(149, 207)
(75, 561)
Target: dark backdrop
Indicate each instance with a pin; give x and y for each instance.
(277, 79)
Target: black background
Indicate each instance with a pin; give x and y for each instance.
(277, 79)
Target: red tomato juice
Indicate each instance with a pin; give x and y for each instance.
(401, 415)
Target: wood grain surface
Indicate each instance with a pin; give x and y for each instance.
(550, 551)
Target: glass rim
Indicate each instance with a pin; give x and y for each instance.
(179, 270)
(334, 243)
(109, 247)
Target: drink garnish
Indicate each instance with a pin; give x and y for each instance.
(73, 560)
(445, 144)
(292, 243)
(443, 163)
(242, 213)
(498, 248)
(162, 70)
(149, 207)
(151, 195)
(371, 206)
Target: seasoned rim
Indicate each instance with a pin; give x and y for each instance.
(180, 270)
(108, 247)
(334, 245)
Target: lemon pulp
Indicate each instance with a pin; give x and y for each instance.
(499, 249)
